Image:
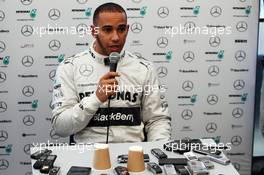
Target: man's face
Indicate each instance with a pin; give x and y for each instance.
(111, 33)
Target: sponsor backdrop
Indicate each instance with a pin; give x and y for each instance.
(209, 77)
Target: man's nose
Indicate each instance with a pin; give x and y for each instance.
(115, 36)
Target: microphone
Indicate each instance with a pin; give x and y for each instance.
(114, 57)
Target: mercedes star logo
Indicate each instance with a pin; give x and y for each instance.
(3, 106)
(187, 86)
(82, 1)
(214, 41)
(27, 148)
(54, 45)
(136, 27)
(212, 99)
(53, 135)
(2, 15)
(2, 77)
(26, 2)
(3, 136)
(213, 70)
(239, 84)
(216, 11)
(2, 46)
(27, 30)
(52, 74)
(188, 56)
(28, 91)
(189, 26)
(4, 164)
(27, 61)
(54, 14)
(82, 28)
(163, 12)
(86, 70)
(236, 140)
(187, 114)
(242, 26)
(162, 71)
(211, 127)
(28, 120)
(162, 42)
(240, 55)
(237, 112)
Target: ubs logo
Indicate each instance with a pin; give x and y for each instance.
(163, 12)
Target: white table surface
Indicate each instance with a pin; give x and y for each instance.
(82, 155)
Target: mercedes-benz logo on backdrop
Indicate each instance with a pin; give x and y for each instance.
(53, 135)
(82, 1)
(2, 77)
(136, 27)
(3, 106)
(27, 30)
(28, 120)
(82, 28)
(54, 14)
(214, 41)
(216, 11)
(27, 148)
(212, 99)
(189, 26)
(2, 15)
(27, 61)
(3, 136)
(54, 45)
(237, 112)
(236, 140)
(28, 91)
(188, 56)
(211, 127)
(239, 84)
(240, 55)
(162, 42)
(163, 12)
(187, 86)
(26, 2)
(52, 74)
(4, 164)
(2, 46)
(162, 71)
(213, 70)
(187, 114)
(242, 26)
(86, 70)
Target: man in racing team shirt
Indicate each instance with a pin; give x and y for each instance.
(83, 85)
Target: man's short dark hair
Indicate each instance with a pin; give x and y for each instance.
(107, 7)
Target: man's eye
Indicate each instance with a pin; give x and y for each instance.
(122, 29)
(107, 30)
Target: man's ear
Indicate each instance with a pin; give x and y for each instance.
(95, 30)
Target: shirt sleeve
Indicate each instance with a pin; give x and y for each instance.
(69, 115)
(154, 110)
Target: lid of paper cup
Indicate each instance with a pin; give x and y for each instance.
(100, 146)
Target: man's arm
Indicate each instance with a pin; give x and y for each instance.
(70, 116)
(155, 115)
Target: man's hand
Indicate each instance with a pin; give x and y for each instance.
(107, 86)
